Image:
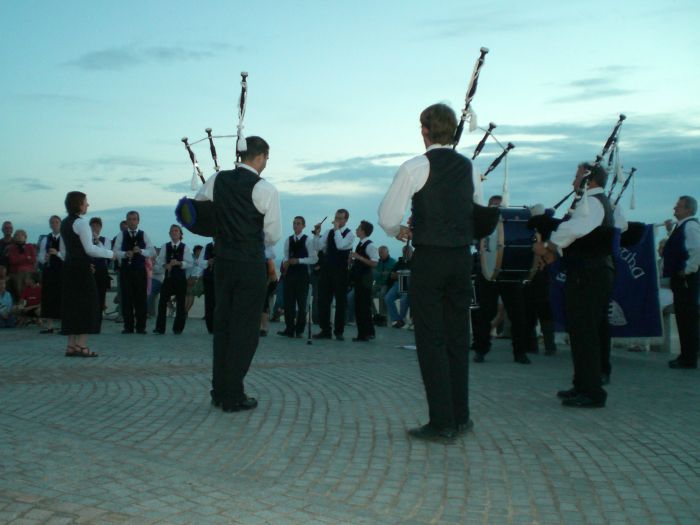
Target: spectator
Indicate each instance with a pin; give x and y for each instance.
(51, 255)
(29, 308)
(4, 243)
(381, 285)
(22, 261)
(99, 266)
(398, 317)
(195, 287)
(7, 318)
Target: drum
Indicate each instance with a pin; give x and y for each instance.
(404, 278)
(506, 255)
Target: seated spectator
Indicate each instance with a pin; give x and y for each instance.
(22, 261)
(29, 308)
(7, 319)
(398, 317)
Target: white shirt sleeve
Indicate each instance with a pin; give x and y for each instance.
(410, 178)
(62, 246)
(187, 261)
(118, 244)
(206, 192)
(373, 252)
(579, 225)
(344, 243)
(148, 251)
(319, 242)
(313, 255)
(620, 219)
(160, 258)
(41, 256)
(692, 244)
(285, 256)
(267, 201)
(82, 229)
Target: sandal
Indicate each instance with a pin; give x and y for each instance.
(85, 352)
(72, 351)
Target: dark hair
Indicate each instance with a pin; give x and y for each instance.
(179, 229)
(254, 147)
(690, 204)
(303, 221)
(95, 220)
(133, 212)
(598, 174)
(74, 200)
(197, 247)
(121, 223)
(367, 227)
(54, 217)
(441, 122)
(344, 212)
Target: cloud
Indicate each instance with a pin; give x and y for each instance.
(179, 187)
(131, 180)
(53, 98)
(590, 88)
(119, 58)
(28, 184)
(117, 162)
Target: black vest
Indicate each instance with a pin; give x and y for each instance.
(239, 224)
(298, 250)
(128, 244)
(361, 274)
(334, 256)
(675, 253)
(99, 262)
(176, 272)
(597, 245)
(55, 263)
(75, 253)
(442, 208)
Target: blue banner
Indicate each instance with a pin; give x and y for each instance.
(634, 309)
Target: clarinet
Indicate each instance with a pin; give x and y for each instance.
(471, 91)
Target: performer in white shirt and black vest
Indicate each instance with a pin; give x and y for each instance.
(586, 243)
(132, 247)
(99, 266)
(206, 261)
(364, 259)
(336, 244)
(52, 252)
(440, 188)
(247, 214)
(681, 255)
(175, 258)
(299, 256)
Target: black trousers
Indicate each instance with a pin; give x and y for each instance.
(685, 306)
(133, 286)
(332, 283)
(440, 297)
(240, 292)
(176, 286)
(487, 293)
(296, 294)
(363, 311)
(209, 302)
(102, 280)
(538, 308)
(586, 298)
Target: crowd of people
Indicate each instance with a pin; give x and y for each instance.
(65, 276)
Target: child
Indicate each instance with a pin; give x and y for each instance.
(29, 309)
(7, 320)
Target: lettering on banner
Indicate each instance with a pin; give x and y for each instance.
(631, 259)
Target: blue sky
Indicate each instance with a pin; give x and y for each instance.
(96, 96)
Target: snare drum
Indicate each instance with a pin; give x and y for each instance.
(506, 255)
(404, 278)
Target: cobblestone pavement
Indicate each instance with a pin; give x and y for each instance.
(130, 437)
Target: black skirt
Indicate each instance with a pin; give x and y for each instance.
(79, 300)
(51, 291)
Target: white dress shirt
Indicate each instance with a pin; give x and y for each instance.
(187, 262)
(312, 257)
(82, 228)
(320, 243)
(372, 251)
(148, 251)
(42, 248)
(409, 179)
(581, 223)
(692, 244)
(265, 199)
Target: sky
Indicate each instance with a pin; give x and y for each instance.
(95, 96)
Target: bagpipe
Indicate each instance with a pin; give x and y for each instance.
(198, 215)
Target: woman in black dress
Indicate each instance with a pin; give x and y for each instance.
(79, 301)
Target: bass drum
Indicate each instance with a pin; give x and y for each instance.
(506, 255)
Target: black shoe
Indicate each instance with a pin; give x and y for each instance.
(604, 379)
(431, 433)
(158, 332)
(263, 333)
(567, 394)
(177, 332)
(215, 399)
(463, 428)
(339, 337)
(678, 363)
(478, 358)
(322, 335)
(360, 339)
(583, 401)
(248, 403)
(522, 359)
(142, 332)
(286, 333)
(126, 331)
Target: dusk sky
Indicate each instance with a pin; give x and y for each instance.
(96, 96)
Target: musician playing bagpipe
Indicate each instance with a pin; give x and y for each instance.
(247, 218)
(585, 241)
(440, 188)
